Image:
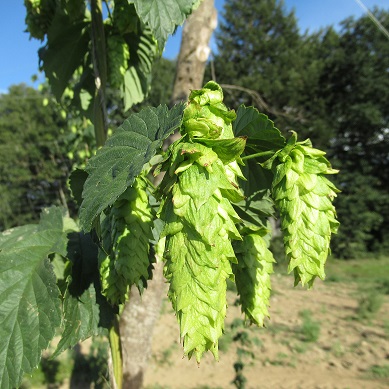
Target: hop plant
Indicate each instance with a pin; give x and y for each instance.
(39, 16)
(118, 56)
(200, 220)
(252, 274)
(126, 232)
(304, 197)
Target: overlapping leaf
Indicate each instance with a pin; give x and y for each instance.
(30, 308)
(115, 166)
(259, 129)
(86, 311)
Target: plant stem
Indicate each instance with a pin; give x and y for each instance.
(261, 154)
(100, 73)
(116, 353)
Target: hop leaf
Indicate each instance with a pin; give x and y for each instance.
(125, 239)
(252, 275)
(308, 218)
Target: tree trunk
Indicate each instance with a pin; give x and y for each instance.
(194, 50)
(140, 314)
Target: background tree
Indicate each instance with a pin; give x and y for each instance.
(259, 49)
(330, 86)
(33, 162)
(355, 86)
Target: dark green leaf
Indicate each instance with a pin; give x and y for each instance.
(115, 166)
(86, 311)
(64, 52)
(76, 182)
(30, 308)
(163, 17)
(259, 129)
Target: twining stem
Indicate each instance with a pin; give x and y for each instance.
(116, 353)
(100, 73)
(261, 154)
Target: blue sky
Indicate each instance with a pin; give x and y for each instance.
(20, 54)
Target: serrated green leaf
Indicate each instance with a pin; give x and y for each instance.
(29, 298)
(259, 129)
(121, 159)
(163, 17)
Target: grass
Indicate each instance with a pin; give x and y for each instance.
(310, 329)
(365, 271)
(369, 303)
(379, 371)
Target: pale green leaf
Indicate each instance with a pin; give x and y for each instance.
(29, 298)
(163, 17)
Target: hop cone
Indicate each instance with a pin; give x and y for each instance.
(39, 16)
(125, 239)
(118, 56)
(308, 218)
(252, 275)
(200, 223)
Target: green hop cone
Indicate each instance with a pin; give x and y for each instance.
(126, 232)
(206, 116)
(39, 16)
(304, 198)
(118, 56)
(200, 223)
(252, 275)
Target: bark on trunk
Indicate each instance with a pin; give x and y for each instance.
(194, 50)
(140, 314)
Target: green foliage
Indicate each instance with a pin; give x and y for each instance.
(115, 166)
(203, 210)
(29, 298)
(33, 162)
(164, 17)
(85, 311)
(132, 31)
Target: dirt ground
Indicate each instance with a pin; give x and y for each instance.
(330, 348)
